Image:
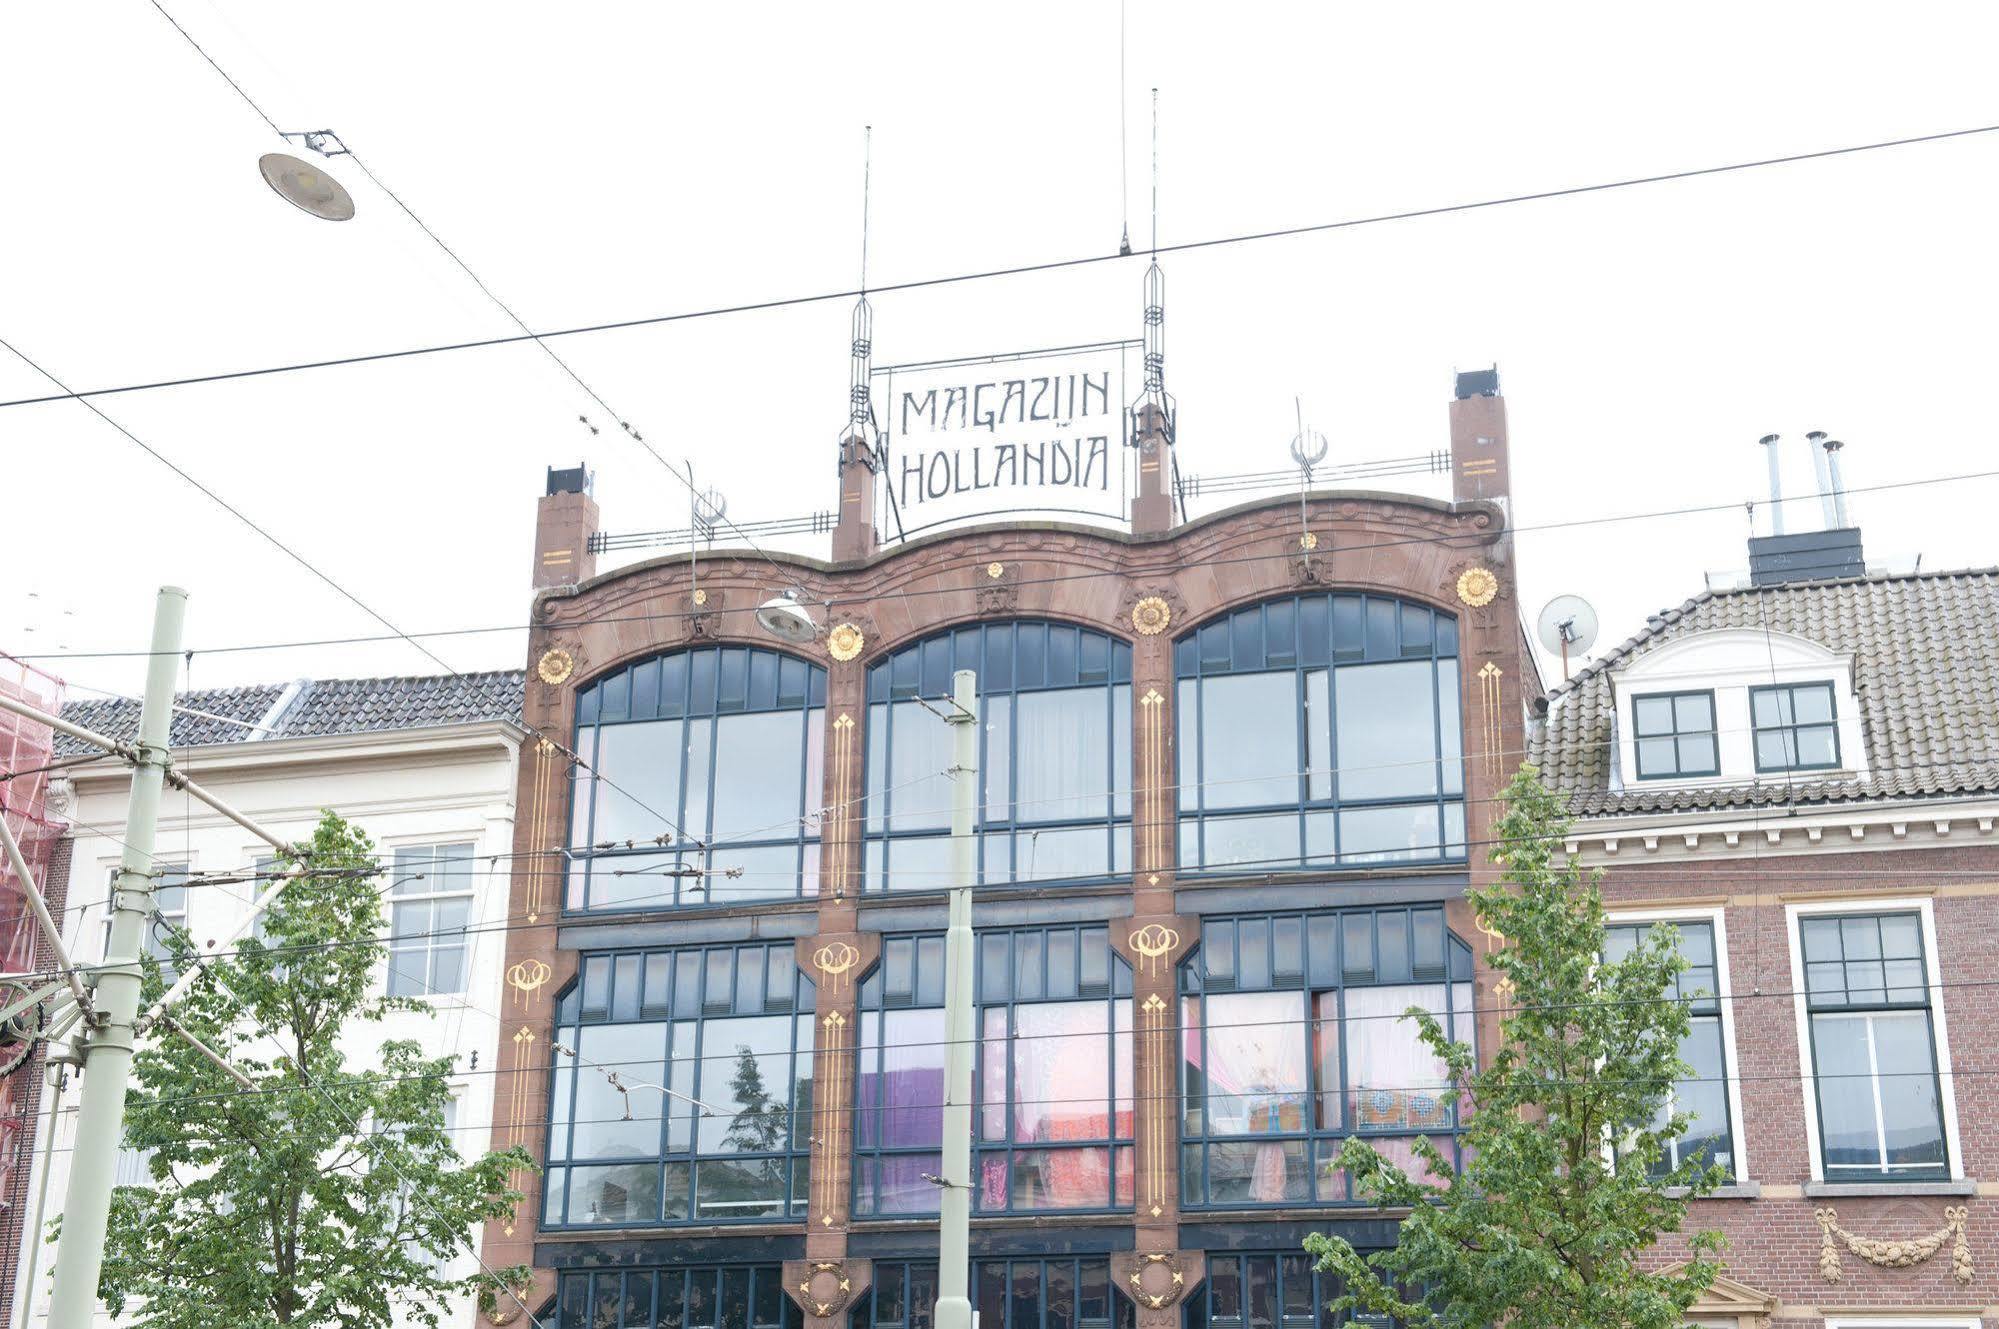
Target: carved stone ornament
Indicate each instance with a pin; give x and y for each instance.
(845, 642)
(555, 666)
(1477, 586)
(1900, 1253)
(1151, 616)
(995, 570)
(997, 589)
(704, 612)
(1154, 1280)
(827, 1287)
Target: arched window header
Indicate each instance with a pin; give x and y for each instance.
(710, 680)
(1308, 630)
(1008, 657)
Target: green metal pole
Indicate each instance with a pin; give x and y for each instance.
(954, 1228)
(107, 1052)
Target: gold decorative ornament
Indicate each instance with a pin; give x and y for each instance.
(555, 665)
(1477, 587)
(1157, 1279)
(700, 596)
(526, 978)
(1153, 941)
(1309, 540)
(995, 570)
(1897, 1254)
(834, 960)
(844, 642)
(828, 1288)
(1151, 616)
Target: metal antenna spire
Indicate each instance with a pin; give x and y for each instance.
(1123, 151)
(1155, 175)
(860, 407)
(867, 184)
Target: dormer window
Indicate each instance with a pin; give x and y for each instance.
(1796, 729)
(1675, 735)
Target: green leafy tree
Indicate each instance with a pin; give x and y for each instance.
(327, 1197)
(1562, 1198)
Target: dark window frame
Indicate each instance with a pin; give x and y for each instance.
(1245, 641)
(1703, 1004)
(921, 671)
(1814, 1007)
(1318, 973)
(578, 1293)
(874, 999)
(609, 700)
(1712, 732)
(604, 972)
(1789, 730)
(1233, 1273)
(1001, 1276)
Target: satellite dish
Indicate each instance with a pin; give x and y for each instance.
(306, 187)
(1567, 627)
(785, 617)
(1309, 448)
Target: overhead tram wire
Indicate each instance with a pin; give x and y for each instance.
(674, 616)
(924, 283)
(327, 579)
(528, 333)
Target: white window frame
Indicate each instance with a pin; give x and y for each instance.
(430, 896)
(1904, 1322)
(1717, 916)
(1925, 909)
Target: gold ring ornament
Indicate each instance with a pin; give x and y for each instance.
(1477, 587)
(1151, 616)
(844, 642)
(555, 666)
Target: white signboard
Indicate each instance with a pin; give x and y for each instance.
(1039, 433)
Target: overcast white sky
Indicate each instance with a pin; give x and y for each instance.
(599, 162)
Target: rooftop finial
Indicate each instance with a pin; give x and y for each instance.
(860, 407)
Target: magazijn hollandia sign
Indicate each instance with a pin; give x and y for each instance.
(1041, 432)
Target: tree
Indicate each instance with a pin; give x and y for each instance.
(327, 1196)
(1561, 1194)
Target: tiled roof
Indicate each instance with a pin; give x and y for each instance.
(1925, 650)
(313, 707)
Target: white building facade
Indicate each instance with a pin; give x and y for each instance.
(425, 766)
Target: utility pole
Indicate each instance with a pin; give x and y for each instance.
(954, 1207)
(107, 1051)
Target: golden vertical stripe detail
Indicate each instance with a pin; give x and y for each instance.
(833, 832)
(1489, 701)
(1154, 730)
(1157, 1142)
(831, 1093)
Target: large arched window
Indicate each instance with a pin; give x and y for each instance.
(700, 781)
(1053, 1106)
(1296, 1037)
(1055, 756)
(1320, 731)
(729, 1030)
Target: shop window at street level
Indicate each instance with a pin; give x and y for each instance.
(1795, 728)
(1073, 1293)
(696, 765)
(1052, 1116)
(1054, 757)
(745, 1296)
(430, 904)
(1703, 1095)
(1295, 1039)
(729, 1028)
(1675, 735)
(1320, 731)
(1873, 1047)
(1270, 1290)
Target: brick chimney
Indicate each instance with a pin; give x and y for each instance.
(565, 519)
(1479, 465)
(854, 534)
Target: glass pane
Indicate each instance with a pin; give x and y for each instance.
(921, 864)
(1069, 852)
(1326, 1059)
(1767, 707)
(1704, 1096)
(1258, 1172)
(1697, 755)
(1387, 730)
(920, 753)
(1270, 840)
(1396, 1084)
(637, 1054)
(1249, 740)
(910, 1085)
(1772, 752)
(745, 1080)
(1817, 746)
(998, 715)
(740, 1188)
(1812, 705)
(1048, 1179)
(1385, 835)
(1062, 1072)
(1693, 713)
(624, 1194)
(1657, 756)
(643, 762)
(901, 1188)
(1654, 715)
(1912, 1117)
(1318, 735)
(1847, 1122)
(1063, 755)
(1255, 1077)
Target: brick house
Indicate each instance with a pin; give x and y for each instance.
(1803, 775)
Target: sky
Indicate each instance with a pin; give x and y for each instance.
(600, 162)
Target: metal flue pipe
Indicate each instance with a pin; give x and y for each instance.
(1769, 445)
(1831, 447)
(1827, 510)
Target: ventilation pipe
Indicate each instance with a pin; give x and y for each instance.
(1769, 445)
(1831, 447)
(1814, 441)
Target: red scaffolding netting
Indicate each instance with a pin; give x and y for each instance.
(26, 749)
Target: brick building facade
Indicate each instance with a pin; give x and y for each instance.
(1232, 767)
(1802, 776)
